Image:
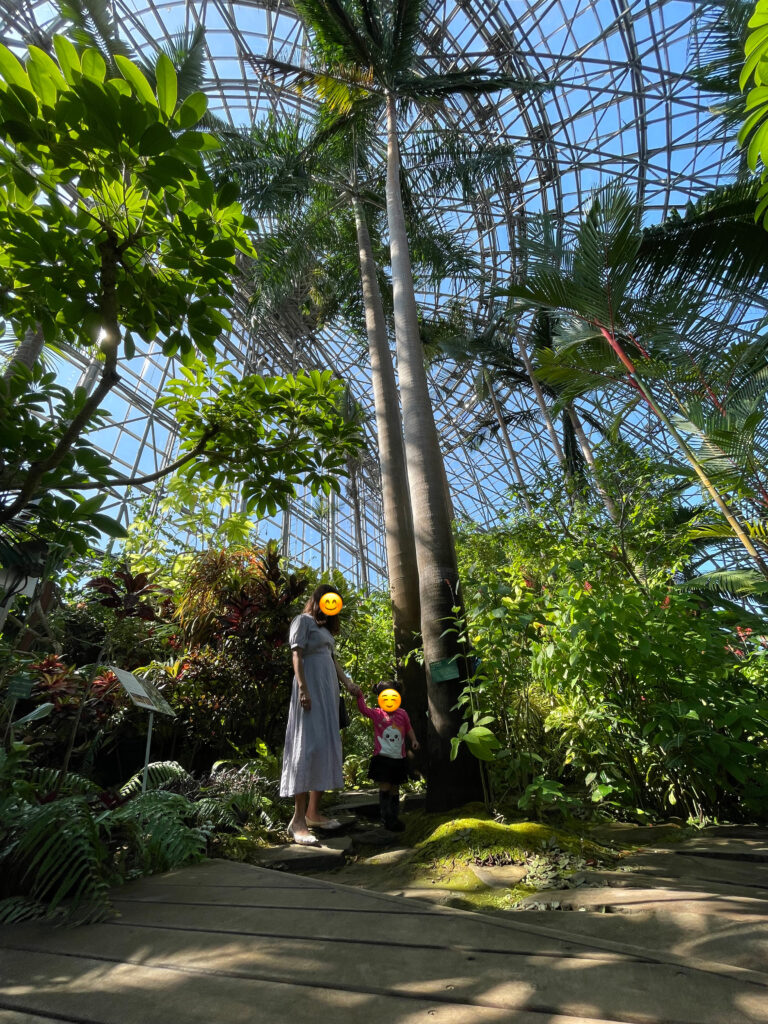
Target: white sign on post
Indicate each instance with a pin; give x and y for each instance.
(144, 695)
(142, 692)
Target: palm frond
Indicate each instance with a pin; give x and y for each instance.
(715, 242)
(93, 26)
(474, 81)
(735, 582)
(336, 26)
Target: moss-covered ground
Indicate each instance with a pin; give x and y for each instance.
(437, 853)
(440, 850)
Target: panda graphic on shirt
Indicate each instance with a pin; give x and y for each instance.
(391, 741)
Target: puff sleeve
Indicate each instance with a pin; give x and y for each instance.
(299, 631)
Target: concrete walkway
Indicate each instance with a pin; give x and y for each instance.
(224, 943)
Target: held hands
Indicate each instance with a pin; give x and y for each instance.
(353, 688)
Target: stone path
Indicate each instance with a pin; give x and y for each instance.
(224, 943)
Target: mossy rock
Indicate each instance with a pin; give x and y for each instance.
(468, 838)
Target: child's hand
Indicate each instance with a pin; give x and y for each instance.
(354, 689)
(415, 745)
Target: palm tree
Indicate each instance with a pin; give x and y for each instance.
(600, 317)
(305, 184)
(367, 58)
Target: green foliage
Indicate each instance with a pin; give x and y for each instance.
(62, 852)
(265, 434)
(157, 828)
(228, 678)
(755, 127)
(138, 190)
(601, 679)
(159, 773)
(111, 232)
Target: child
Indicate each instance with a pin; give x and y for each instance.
(389, 766)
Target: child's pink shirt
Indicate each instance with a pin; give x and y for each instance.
(389, 729)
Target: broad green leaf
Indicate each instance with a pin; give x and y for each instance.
(68, 59)
(132, 74)
(191, 110)
(93, 65)
(155, 140)
(167, 86)
(41, 711)
(108, 526)
(12, 71)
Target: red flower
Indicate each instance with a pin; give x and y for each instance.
(587, 585)
(665, 602)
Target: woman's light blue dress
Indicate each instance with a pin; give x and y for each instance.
(312, 755)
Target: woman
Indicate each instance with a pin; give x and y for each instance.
(312, 755)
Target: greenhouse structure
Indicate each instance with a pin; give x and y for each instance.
(383, 447)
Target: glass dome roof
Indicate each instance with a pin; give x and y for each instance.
(620, 105)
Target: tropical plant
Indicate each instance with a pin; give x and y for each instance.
(63, 849)
(103, 187)
(607, 335)
(366, 58)
(598, 675)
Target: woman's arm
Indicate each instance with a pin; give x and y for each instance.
(298, 667)
(344, 679)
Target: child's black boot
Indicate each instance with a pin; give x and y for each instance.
(384, 807)
(395, 825)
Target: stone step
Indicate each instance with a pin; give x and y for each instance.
(365, 803)
(293, 857)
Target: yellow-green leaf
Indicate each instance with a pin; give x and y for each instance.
(68, 59)
(167, 87)
(132, 74)
(94, 66)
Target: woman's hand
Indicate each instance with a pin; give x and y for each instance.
(353, 688)
(304, 699)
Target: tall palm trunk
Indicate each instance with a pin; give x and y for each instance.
(449, 783)
(512, 455)
(589, 458)
(558, 449)
(730, 516)
(398, 519)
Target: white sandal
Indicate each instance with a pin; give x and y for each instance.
(329, 825)
(307, 840)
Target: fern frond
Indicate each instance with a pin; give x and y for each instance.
(159, 774)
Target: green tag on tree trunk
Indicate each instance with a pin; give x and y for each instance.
(442, 671)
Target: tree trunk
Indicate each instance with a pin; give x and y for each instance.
(354, 493)
(589, 458)
(27, 353)
(396, 499)
(513, 460)
(559, 454)
(449, 783)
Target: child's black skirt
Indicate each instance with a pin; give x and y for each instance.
(388, 769)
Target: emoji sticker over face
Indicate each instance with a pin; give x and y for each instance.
(330, 604)
(389, 700)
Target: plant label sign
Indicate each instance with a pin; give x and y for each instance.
(142, 692)
(19, 688)
(443, 671)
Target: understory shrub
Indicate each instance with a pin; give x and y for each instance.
(64, 841)
(604, 683)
